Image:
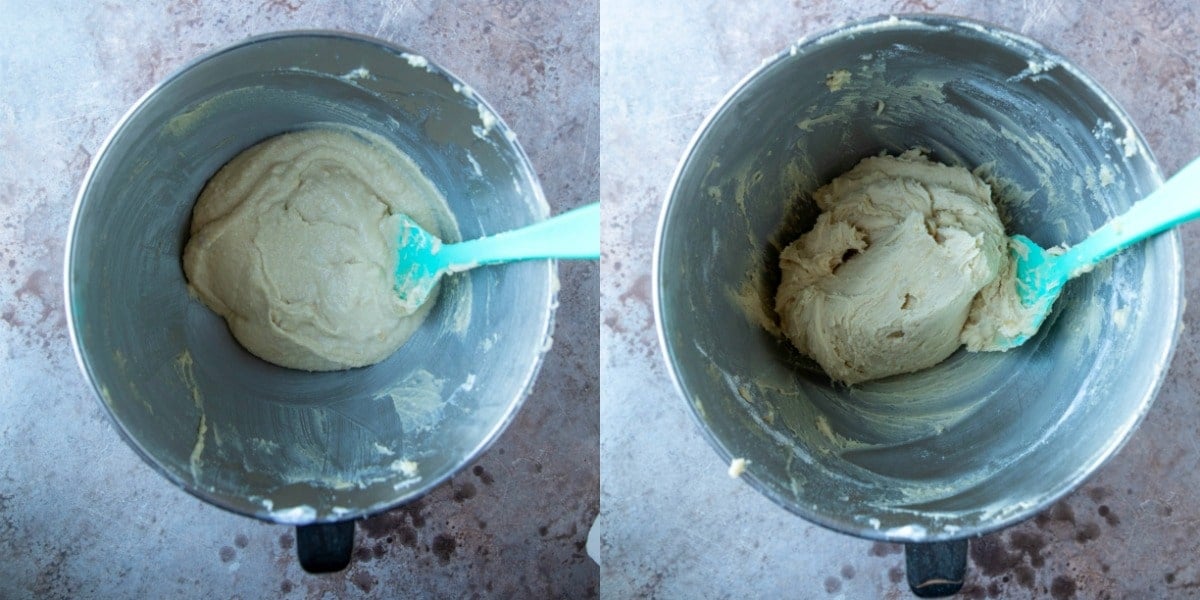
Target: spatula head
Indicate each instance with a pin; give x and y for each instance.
(1038, 283)
(417, 266)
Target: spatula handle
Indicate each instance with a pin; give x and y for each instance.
(1176, 202)
(574, 234)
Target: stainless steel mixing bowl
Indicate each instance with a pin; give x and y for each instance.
(983, 440)
(265, 441)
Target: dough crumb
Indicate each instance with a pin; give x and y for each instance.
(1120, 317)
(1036, 67)
(737, 466)
(406, 467)
(415, 60)
(837, 79)
(1129, 143)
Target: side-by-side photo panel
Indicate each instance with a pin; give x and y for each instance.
(300, 299)
(889, 292)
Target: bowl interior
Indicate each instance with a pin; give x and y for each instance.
(273, 442)
(981, 440)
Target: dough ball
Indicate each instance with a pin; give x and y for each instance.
(294, 243)
(892, 273)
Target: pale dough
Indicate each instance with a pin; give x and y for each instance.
(294, 243)
(907, 262)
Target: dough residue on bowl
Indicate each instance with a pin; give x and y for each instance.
(907, 262)
(837, 79)
(294, 243)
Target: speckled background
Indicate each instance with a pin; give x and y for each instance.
(672, 524)
(82, 517)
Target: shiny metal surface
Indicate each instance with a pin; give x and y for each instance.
(982, 440)
(261, 440)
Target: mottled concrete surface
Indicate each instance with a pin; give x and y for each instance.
(81, 516)
(672, 524)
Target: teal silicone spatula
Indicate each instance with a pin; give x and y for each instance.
(424, 259)
(1041, 275)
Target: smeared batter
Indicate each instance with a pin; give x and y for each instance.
(294, 243)
(907, 262)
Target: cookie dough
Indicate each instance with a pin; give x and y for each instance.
(294, 243)
(907, 262)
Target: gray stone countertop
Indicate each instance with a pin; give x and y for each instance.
(82, 516)
(673, 524)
